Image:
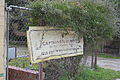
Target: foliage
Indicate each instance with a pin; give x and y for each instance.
(103, 55)
(86, 74)
(115, 6)
(57, 68)
(23, 63)
(98, 74)
(18, 2)
(93, 21)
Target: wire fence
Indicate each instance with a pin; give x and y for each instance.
(53, 69)
(17, 32)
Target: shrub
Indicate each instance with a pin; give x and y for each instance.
(93, 21)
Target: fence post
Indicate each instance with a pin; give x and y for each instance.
(40, 71)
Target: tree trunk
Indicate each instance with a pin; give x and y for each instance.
(95, 64)
(92, 61)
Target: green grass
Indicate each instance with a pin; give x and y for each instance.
(108, 56)
(86, 74)
(23, 63)
(99, 74)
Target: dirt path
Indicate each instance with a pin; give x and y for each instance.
(107, 63)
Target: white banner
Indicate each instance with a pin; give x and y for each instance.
(45, 44)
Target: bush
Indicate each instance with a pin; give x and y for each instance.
(92, 21)
(24, 63)
(98, 74)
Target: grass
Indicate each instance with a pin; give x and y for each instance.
(86, 74)
(23, 63)
(99, 74)
(108, 56)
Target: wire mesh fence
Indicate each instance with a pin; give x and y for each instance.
(54, 69)
(17, 32)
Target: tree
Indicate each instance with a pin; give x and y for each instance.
(92, 21)
(112, 46)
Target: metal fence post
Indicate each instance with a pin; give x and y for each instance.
(40, 71)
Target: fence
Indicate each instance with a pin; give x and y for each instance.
(16, 73)
(53, 69)
(18, 41)
(17, 33)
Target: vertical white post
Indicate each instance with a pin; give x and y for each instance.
(2, 40)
